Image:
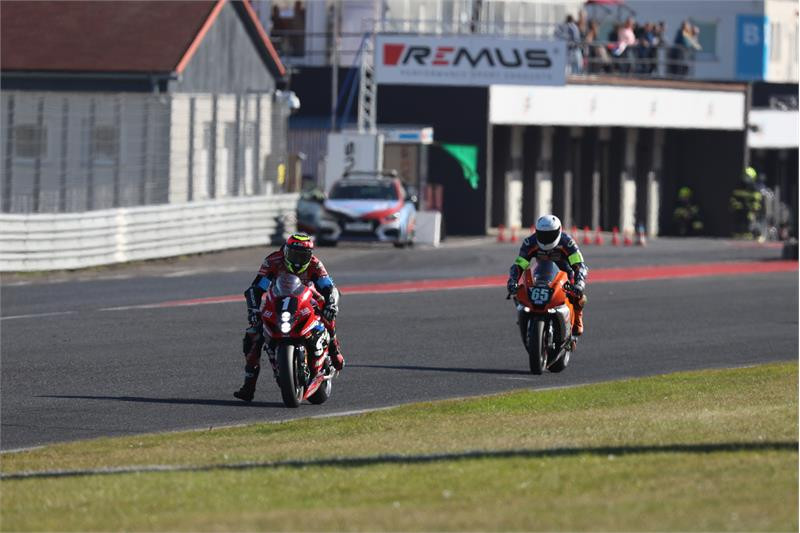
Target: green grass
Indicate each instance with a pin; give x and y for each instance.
(713, 450)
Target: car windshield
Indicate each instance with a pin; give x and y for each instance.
(287, 285)
(545, 271)
(364, 191)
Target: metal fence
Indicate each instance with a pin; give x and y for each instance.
(78, 151)
(338, 31)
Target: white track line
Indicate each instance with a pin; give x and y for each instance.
(366, 460)
(184, 273)
(37, 315)
(367, 410)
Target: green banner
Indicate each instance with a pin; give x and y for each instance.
(467, 157)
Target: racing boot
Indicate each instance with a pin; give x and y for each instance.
(248, 390)
(335, 354)
(577, 328)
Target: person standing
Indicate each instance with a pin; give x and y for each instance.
(570, 32)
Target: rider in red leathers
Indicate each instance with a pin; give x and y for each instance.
(295, 257)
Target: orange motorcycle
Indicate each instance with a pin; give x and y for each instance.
(546, 316)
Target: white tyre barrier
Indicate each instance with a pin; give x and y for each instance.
(36, 242)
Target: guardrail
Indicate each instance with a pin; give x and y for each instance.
(37, 242)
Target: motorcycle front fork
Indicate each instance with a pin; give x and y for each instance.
(269, 349)
(523, 320)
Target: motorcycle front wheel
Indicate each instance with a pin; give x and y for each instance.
(322, 394)
(289, 376)
(536, 345)
(562, 363)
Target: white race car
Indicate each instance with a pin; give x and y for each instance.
(368, 207)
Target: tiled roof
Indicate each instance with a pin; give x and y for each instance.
(107, 36)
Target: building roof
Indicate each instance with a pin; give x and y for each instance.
(134, 36)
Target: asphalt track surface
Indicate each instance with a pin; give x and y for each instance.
(73, 369)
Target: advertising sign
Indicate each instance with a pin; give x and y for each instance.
(468, 61)
(752, 49)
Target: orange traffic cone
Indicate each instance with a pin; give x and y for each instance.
(640, 237)
(615, 236)
(513, 234)
(628, 241)
(501, 233)
(598, 237)
(587, 239)
(574, 231)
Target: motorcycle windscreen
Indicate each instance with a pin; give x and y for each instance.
(287, 285)
(545, 272)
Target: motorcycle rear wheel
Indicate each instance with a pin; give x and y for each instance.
(536, 345)
(289, 378)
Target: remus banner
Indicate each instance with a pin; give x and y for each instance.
(467, 60)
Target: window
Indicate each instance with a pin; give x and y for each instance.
(101, 143)
(247, 135)
(288, 21)
(364, 191)
(30, 141)
(105, 143)
(448, 22)
(707, 37)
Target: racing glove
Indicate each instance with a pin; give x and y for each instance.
(578, 288)
(512, 286)
(329, 311)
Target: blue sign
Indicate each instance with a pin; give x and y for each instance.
(752, 47)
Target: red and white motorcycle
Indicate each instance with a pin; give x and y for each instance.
(291, 318)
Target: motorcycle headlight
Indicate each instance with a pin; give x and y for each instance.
(286, 327)
(285, 316)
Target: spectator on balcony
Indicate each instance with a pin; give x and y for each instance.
(288, 29)
(646, 43)
(659, 32)
(685, 45)
(570, 32)
(599, 58)
(625, 40)
(582, 23)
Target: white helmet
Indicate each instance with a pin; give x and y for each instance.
(548, 231)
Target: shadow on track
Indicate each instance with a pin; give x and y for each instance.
(176, 401)
(496, 371)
